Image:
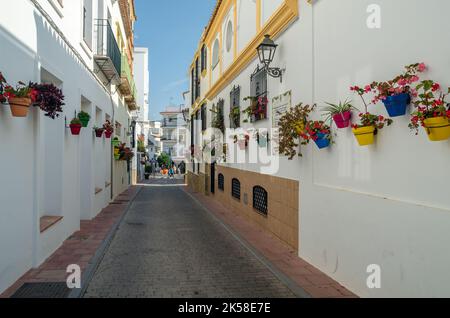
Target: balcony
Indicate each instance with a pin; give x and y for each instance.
(127, 85)
(169, 123)
(107, 54)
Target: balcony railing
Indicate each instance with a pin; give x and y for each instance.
(107, 53)
(127, 84)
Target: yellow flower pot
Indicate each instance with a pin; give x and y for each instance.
(438, 128)
(365, 135)
(300, 127)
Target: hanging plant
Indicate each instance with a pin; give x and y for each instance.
(257, 109)
(340, 113)
(432, 112)
(218, 120)
(396, 94)
(75, 126)
(292, 129)
(84, 118)
(262, 138)
(49, 99)
(370, 124)
(98, 131)
(108, 128)
(242, 140)
(19, 98)
(320, 133)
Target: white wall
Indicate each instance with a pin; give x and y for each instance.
(385, 204)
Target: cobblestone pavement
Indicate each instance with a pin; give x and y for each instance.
(168, 246)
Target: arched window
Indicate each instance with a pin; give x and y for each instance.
(236, 189)
(221, 181)
(260, 199)
(215, 53)
(229, 36)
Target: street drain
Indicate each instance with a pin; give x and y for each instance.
(42, 290)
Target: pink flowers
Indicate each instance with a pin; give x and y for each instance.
(422, 67)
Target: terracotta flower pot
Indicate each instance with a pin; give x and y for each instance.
(75, 129)
(19, 106)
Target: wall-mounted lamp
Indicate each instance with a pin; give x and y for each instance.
(266, 53)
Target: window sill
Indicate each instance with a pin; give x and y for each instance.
(46, 222)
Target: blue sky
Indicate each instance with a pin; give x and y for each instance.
(171, 29)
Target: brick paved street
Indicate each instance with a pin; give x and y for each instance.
(168, 246)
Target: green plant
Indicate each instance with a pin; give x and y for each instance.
(314, 128)
(292, 128)
(98, 129)
(164, 159)
(337, 109)
(83, 116)
(148, 169)
(368, 119)
(257, 109)
(48, 98)
(75, 121)
(430, 103)
(218, 121)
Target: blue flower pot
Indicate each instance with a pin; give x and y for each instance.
(396, 105)
(322, 141)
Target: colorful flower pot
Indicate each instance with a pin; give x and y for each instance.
(322, 141)
(437, 128)
(116, 153)
(300, 127)
(115, 142)
(19, 106)
(75, 129)
(342, 120)
(262, 142)
(242, 144)
(84, 122)
(365, 135)
(99, 133)
(396, 104)
(108, 134)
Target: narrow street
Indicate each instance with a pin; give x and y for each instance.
(169, 246)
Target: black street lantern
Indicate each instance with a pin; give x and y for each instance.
(266, 53)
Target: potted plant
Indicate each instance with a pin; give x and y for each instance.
(75, 126)
(262, 138)
(319, 132)
(292, 129)
(148, 171)
(431, 112)
(19, 98)
(235, 117)
(49, 99)
(84, 118)
(99, 131)
(242, 140)
(396, 94)
(369, 124)
(116, 142)
(218, 121)
(257, 109)
(108, 128)
(340, 113)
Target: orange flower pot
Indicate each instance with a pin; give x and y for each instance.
(19, 106)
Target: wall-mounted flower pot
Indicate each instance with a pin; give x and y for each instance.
(262, 142)
(115, 142)
(300, 127)
(437, 128)
(342, 120)
(108, 134)
(396, 104)
(19, 106)
(84, 122)
(365, 135)
(242, 144)
(322, 141)
(99, 133)
(75, 129)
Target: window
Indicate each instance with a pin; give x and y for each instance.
(204, 57)
(236, 189)
(258, 88)
(203, 117)
(229, 36)
(215, 53)
(260, 198)
(235, 109)
(221, 182)
(87, 22)
(192, 86)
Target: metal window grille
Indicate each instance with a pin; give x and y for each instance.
(260, 200)
(221, 182)
(235, 101)
(236, 189)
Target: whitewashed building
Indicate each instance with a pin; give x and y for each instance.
(347, 207)
(51, 179)
(174, 128)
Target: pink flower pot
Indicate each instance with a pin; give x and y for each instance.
(342, 120)
(242, 144)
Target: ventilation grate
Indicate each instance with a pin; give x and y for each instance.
(42, 290)
(260, 199)
(236, 189)
(221, 181)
